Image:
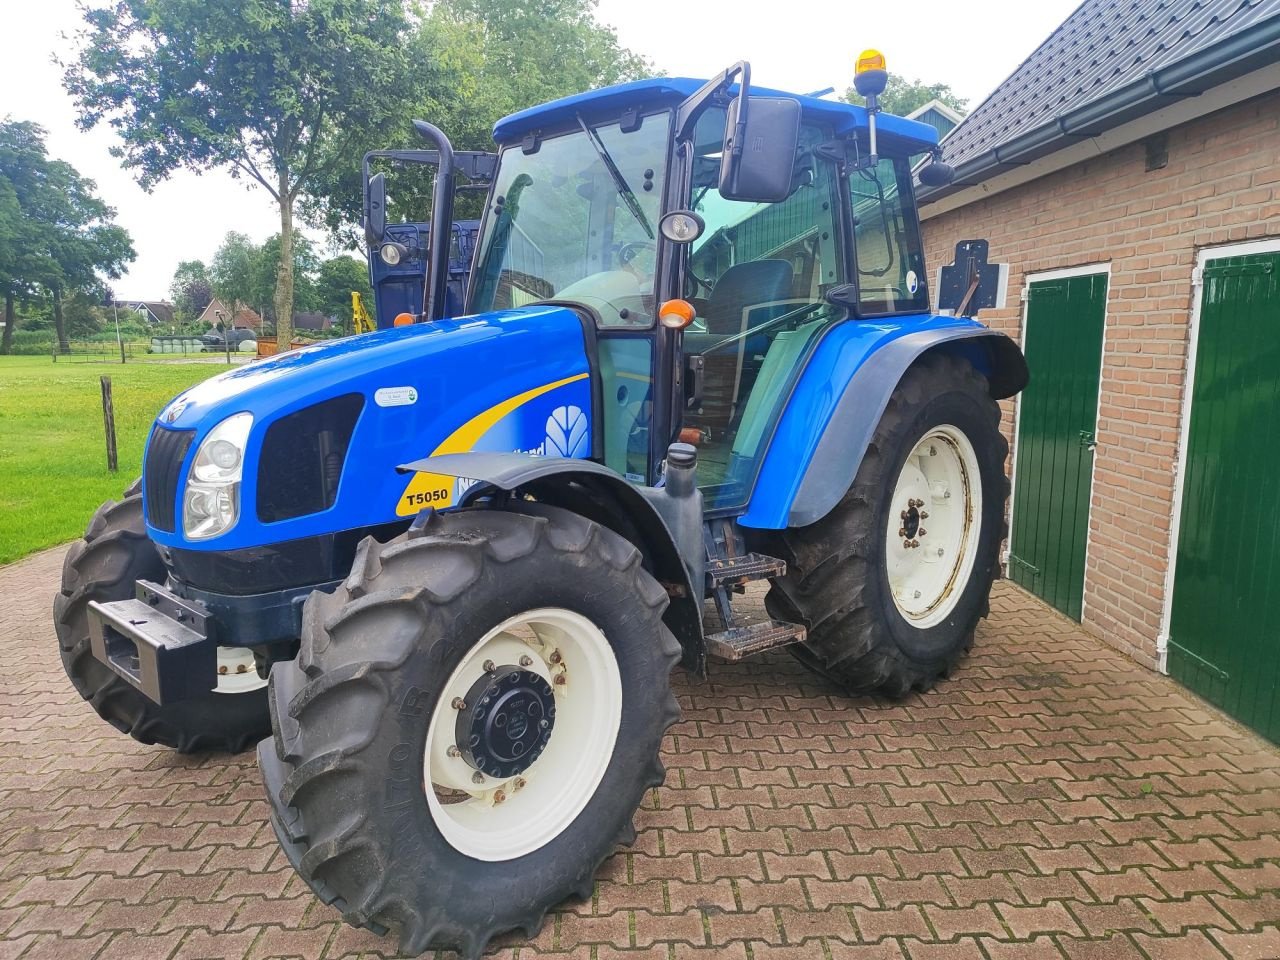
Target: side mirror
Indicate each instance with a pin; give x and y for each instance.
(759, 156)
(937, 174)
(375, 206)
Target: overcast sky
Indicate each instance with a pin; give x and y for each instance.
(797, 45)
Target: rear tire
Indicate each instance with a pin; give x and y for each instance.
(873, 627)
(357, 770)
(104, 566)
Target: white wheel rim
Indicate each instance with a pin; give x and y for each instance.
(935, 519)
(505, 818)
(237, 671)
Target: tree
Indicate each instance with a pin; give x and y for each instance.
(902, 95)
(64, 237)
(234, 274)
(190, 290)
(336, 281)
(480, 60)
(277, 91)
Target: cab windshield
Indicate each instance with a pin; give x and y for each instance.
(576, 219)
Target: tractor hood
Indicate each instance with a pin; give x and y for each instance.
(331, 422)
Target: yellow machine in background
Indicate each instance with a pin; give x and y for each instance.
(360, 319)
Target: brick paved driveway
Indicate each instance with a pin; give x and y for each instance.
(1053, 799)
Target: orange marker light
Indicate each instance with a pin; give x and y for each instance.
(676, 314)
(403, 319)
(869, 60)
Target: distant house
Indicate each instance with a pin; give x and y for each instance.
(312, 321)
(156, 312)
(937, 115)
(1128, 175)
(217, 312)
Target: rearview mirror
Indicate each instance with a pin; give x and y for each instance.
(375, 206)
(759, 156)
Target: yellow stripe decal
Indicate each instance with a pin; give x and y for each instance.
(465, 437)
(436, 489)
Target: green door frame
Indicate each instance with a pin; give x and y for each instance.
(1045, 276)
(1270, 245)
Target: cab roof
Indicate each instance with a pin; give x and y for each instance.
(897, 133)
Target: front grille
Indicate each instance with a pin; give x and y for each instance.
(302, 458)
(161, 474)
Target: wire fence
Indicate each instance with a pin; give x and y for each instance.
(153, 349)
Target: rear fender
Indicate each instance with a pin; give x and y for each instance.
(823, 434)
(603, 496)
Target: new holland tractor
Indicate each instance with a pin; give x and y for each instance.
(445, 569)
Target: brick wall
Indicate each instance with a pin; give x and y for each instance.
(1221, 185)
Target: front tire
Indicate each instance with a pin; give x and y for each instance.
(105, 566)
(892, 583)
(398, 798)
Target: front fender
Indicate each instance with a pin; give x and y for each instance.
(599, 494)
(838, 401)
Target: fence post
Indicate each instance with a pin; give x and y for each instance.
(109, 422)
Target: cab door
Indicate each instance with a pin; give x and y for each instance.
(756, 277)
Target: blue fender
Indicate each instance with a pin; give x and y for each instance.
(642, 515)
(838, 401)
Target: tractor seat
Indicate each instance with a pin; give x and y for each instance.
(742, 286)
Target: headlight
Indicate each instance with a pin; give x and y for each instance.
(211, 500)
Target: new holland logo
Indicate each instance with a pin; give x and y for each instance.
(567, 433)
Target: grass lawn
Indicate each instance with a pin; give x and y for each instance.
(53, 462)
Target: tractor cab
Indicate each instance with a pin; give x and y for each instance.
(709, 233)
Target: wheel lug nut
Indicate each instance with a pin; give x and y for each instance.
(560, 681)
(915, 543)
(459, 703)
(488, 666)
(453, 750)
(222, 670)
(555, 656)
(903, 515)
(906, 544)
(477, 777)
(923, 531)
(902, 531)
(499, 797)
(924, 515)
(519, 783)
(526, 661)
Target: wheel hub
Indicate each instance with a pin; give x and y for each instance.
(506, 721)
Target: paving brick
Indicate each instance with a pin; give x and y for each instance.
(803, 825)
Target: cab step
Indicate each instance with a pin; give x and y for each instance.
(733, 571)
(738, 643)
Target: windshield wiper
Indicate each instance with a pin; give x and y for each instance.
(619, 181)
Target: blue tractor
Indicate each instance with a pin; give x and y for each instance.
(445, 569)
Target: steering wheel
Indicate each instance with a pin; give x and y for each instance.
(627, 254)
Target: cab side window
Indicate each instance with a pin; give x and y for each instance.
(887, 248)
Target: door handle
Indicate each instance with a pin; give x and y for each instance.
(1087, 439)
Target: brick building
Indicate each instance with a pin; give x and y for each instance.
(1128, 173)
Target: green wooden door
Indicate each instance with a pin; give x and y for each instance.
(1057, 417)
(1224, 633)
